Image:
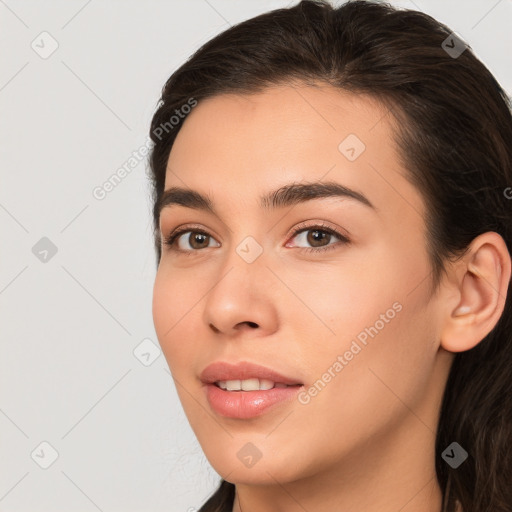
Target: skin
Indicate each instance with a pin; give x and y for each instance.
(366, 441)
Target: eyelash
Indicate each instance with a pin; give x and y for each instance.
(170, 240)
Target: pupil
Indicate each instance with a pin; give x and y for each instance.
(318, 235)
(198, 236)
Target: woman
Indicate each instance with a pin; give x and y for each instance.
(333, 227)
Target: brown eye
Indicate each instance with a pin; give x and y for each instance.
(196, 240)
(318, 237)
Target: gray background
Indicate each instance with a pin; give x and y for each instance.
(71, 321)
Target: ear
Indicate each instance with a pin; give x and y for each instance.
(481, 285)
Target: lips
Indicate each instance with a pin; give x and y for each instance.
(246, 390)
(222, 371)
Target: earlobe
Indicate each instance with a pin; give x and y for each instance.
(482, 290)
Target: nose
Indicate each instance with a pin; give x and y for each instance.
(243, 299)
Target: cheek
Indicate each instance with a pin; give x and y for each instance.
(350, 294)
(373, 310)
(173, 314)
(384, 334)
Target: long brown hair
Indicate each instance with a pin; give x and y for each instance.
(455, 138)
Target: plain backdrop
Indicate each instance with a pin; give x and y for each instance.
(89, 416)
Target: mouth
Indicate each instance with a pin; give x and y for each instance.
(234, 375)
(246, 390)
(254, 384)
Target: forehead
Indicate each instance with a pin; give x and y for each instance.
(240, 145)
(282, 118)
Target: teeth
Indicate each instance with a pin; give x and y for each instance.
(266, 384)
(248, 385)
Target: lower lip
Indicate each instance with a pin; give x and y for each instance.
(247, 404)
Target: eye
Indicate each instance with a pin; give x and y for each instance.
(318, 235)
(196, 240)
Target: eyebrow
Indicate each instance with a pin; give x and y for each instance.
(287, 195)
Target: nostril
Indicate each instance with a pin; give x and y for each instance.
(249, 324)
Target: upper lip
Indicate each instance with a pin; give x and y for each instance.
(222, 370)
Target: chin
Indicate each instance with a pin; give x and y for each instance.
(256, 471)
(263, 475)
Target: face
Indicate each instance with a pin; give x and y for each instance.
(330, 291)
